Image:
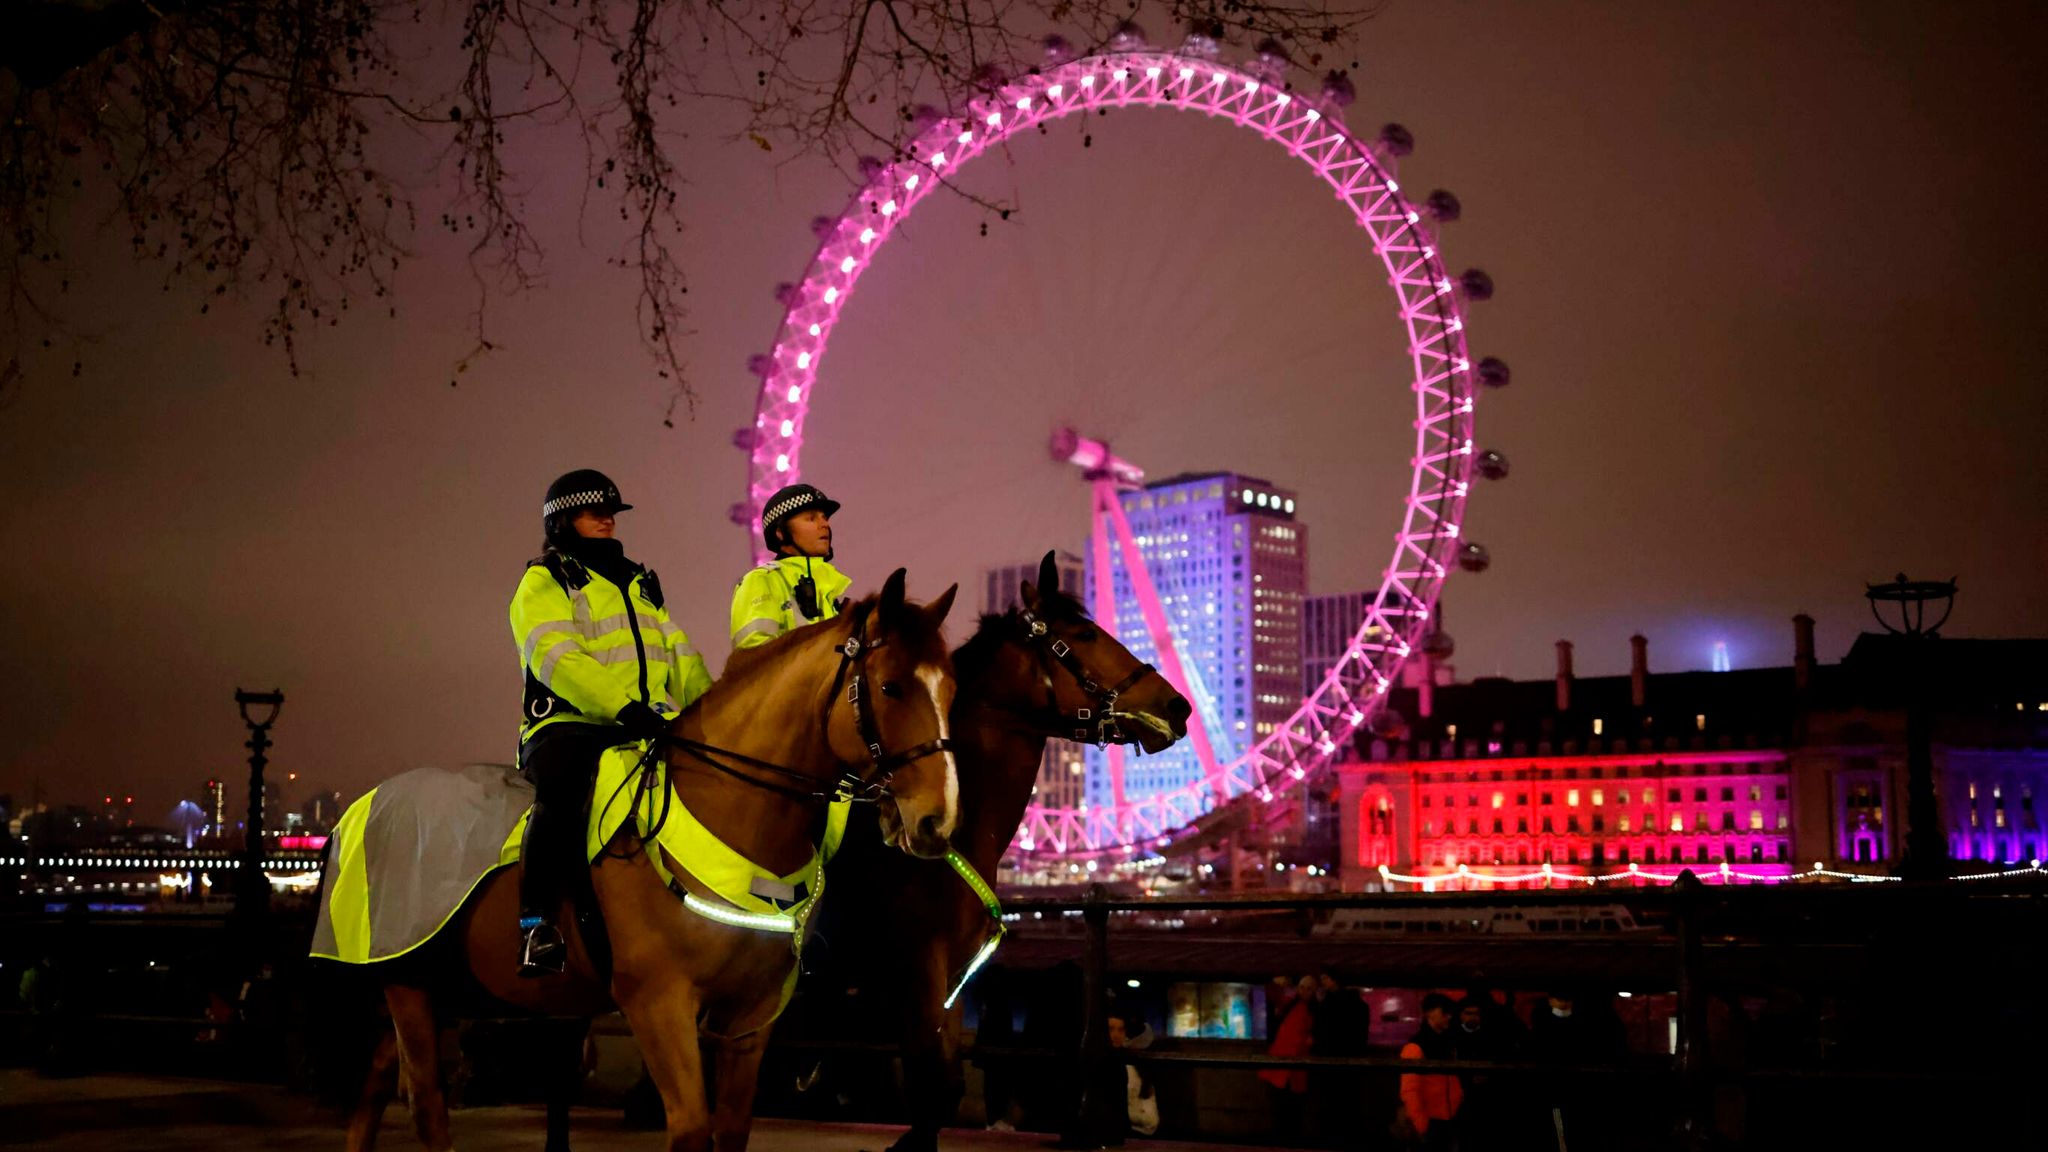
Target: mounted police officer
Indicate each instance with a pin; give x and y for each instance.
(604, 667)
(800, 586)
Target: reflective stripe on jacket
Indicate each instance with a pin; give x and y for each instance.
(594, 654)
(764, 604)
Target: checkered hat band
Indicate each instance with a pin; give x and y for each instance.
(573, 500)
(778, 511)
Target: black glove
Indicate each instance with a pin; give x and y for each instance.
(642, 722)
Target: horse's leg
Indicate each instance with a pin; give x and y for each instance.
(664, 1021)
(412, 1014)
(739, 1076)
(380, 1083)
(927, 1053)
(566, 1043)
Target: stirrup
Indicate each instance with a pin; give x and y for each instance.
(544, 952)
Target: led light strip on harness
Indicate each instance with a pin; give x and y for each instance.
(739, 917)
(995, 912)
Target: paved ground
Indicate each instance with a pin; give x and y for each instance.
(112, 1113)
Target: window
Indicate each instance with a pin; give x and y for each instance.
(1784, 850)
(1756, 820)
(1727, 795)
(1998, 818)
(1621, 853)
(1498, 797)
(1547, 825)
(1620, 797)
(1599, 822)
(1756, 853)
(1781, 791)
(1598, 725)
(1727, 821)
(1428, 800)
(1699, 795)
(1784, 820)
(1522, 798)
(1571, 824)
(1598, 797)
(1428, 828)
(1649, 854)
(1674, 795)
(1622, 824)
(1522, 824)
(1699, 822)
(1546, 798)
(1677, 822)
(1496, 825)
(1700, 721)
(1571, 798)
(1756, 793)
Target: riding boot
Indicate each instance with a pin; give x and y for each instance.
(542, 950)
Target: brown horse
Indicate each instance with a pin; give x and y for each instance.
(780, 721)
(1042, 670)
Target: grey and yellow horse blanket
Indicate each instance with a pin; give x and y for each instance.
(408, 854)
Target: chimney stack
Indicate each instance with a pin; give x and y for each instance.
(1802, 651)
(1638, 669)
(1564, 675)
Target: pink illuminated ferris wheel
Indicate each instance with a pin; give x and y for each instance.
(1428, 301)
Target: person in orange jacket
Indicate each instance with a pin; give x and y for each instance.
(1431, 1099)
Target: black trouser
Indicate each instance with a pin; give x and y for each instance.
(560, 760)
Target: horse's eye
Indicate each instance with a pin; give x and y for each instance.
(892, 690)
(1085, 636)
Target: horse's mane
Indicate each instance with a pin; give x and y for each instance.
(992, 632)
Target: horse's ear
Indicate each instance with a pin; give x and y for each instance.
(937, 609)
(892, 597)
(1048, 574)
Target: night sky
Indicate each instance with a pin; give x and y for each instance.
(1768, 280)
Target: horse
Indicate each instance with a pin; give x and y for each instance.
(754, 762)
(1041, 670)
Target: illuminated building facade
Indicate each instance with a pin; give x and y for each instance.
(1230, 563)
(1742, 776)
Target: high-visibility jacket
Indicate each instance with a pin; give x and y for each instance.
(587, 652)
(764, 604)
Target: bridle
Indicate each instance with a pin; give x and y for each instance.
(860, 787)
(882, 766)
(1099, 722)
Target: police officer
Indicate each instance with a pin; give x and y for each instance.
(800, 586)
(604, 666)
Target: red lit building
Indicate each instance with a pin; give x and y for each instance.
(1749, 775)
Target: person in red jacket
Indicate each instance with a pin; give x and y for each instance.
(1293, 1037)
(1431, 1099)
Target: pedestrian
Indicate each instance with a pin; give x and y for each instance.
(1343, 1025)
(1572, 1036)
(1485, 1032)
(1293, 1038)
(1141, 1103)
(1431, 1100)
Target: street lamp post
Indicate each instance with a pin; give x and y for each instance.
(252, 896)
(1926, 846)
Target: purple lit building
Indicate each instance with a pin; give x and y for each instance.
(1230, 563)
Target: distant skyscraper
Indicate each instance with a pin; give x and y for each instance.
(1328, 623)
(999, 585)
(1230, 565)
(1060, 771)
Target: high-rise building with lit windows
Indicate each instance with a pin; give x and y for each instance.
(1229, 561)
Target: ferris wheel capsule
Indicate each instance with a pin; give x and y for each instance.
(1396, 140)
(1443, 206)
(1492, 465)
(1493, 372)
(1473, 557)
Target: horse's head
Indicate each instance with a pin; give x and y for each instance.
(898, 728)
(1094, 686)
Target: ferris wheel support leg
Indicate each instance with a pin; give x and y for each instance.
(1104, 609)
(1162, 636)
